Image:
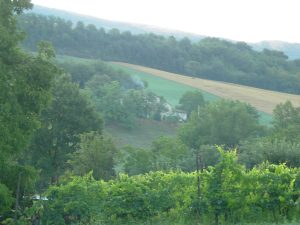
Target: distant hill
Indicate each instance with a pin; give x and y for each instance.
(109, 24)
(292, 50)
(209, 58)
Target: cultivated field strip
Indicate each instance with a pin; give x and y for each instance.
(263, 100)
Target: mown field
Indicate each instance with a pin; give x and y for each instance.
(264, 100)
(172, 89)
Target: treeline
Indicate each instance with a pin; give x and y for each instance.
(209, 58)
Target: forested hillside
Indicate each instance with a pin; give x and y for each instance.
(292, 50)
(209, 58)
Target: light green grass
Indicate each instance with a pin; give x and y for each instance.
(172, 91)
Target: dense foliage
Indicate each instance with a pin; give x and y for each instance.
(25, 90)
(191, 101)
(96, 153)
(70, 114)
(209, 58)
(165, 154)
(223, 122)
(81, 72)
(119, 97)
(228, 194)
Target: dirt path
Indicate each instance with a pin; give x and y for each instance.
(263, 100)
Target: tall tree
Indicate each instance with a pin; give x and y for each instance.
(191, 101)
(224, 123)
(96, 153)
(69, 115)
(25, 83)
(287, 122)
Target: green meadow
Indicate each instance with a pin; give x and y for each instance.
(172, 91)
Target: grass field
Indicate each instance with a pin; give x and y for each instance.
(263, 100)
(172, 90)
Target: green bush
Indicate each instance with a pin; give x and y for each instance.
(228, 194)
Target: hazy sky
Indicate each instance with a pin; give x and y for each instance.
(242, 20)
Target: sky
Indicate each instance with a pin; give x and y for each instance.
(240, 20)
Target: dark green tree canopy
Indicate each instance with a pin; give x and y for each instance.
(96, 153)
(25, 90)
(191, 101)
(222, 123)
(287, 122)
(70, 114)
